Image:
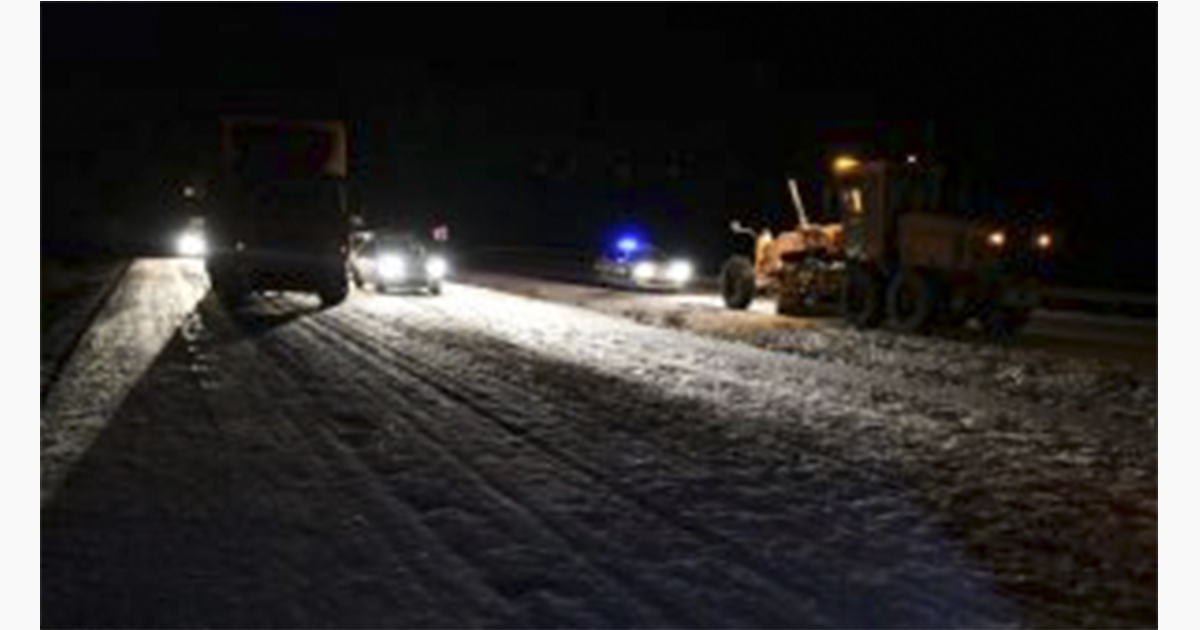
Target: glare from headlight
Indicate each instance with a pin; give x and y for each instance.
(679, 271)
(391, 267)
(191, 244)
(643, 270)
(436, 267)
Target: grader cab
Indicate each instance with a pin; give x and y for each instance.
(903, 253)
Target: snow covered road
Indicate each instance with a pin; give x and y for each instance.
(488, 460)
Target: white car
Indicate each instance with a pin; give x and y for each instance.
(192, 241)
(397, 262)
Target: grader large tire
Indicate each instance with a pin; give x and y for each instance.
(861, 300)
(737, 282)
(911, 301)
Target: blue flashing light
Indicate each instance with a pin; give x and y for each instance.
(628, 244)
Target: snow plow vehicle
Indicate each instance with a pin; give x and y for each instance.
(278, 219)
(902, 254)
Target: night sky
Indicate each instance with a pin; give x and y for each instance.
(522, 124)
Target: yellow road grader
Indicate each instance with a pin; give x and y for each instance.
(902, 255)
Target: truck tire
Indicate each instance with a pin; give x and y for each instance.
(911, 301)
(861, 298)
(334, 292)
(737, 282)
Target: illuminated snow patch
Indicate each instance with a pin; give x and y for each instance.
(137, 321)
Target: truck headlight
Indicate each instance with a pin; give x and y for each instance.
(436, 267)
(996, 239)
(643, 270)
(191, 244)
(679, 271)
(391, 267)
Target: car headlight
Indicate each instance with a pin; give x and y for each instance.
(679, 271)
(436, 267)
(643, 270)
(191, 244)
(996, 239)
(391, 267)
(1044, 240)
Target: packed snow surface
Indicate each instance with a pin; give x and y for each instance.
(487, 459)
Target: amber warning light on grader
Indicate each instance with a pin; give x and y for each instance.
(845, 164)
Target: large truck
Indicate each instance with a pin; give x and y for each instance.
(278, 216)
(903, 254)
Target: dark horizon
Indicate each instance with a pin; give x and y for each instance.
(549, 132)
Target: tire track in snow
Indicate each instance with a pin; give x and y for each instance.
(255, 378)
(487, 403)
(1019, 445)
(439, 324)
(258, 397)
(1034, 454)
(665, 611)
(772, 370)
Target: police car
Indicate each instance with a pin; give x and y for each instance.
(633, 264)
